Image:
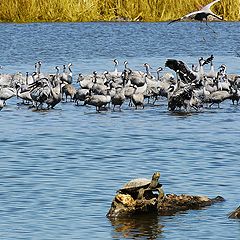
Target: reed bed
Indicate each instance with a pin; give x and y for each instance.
(108, 10)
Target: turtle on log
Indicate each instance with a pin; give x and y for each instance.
(139, 196)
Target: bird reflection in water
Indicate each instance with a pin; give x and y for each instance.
(141, 226)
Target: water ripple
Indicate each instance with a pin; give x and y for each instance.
(60, 168)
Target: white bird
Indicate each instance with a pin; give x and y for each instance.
(200, 15)
(5, 79)
(85, 81)
(6, 93)
(115, 73)
(67, 74)
(24, 95)
(212, 73)
(1, 105)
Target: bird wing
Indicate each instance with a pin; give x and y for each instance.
(208, 60)
(216, 16)
(192, 14)
(189, 15)
(183, 69)
(207, 7)
(175, 20)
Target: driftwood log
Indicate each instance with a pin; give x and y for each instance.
(173, 203)
(235, 213)
(124, 205)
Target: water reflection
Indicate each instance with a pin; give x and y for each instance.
(137, 227)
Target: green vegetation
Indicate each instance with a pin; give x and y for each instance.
(108, 10)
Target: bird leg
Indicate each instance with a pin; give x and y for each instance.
(211, 105)
(210, 27)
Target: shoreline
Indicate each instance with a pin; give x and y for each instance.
(110, 21)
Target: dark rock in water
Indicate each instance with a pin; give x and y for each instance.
(235, 213)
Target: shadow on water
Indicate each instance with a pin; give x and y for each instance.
(184, 113)
(137, 227)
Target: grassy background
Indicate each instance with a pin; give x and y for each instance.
(109, 10)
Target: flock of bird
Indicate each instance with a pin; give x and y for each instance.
(184, 88)
(190, 88)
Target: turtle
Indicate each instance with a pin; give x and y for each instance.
(137, 187)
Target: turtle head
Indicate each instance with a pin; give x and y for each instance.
(156, 176)
(154, 183)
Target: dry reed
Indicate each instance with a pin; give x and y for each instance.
(108, 10)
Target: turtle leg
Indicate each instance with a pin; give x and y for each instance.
(141, 192)
(160, 194)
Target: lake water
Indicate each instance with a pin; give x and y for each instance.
(59, 169)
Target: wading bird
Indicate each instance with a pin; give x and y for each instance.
(200, 15)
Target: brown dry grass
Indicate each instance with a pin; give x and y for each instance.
(108, 10)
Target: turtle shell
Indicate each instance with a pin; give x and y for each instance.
(135, 184)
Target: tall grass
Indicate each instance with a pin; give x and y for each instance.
(108, 10)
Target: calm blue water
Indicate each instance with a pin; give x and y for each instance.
(59, 169)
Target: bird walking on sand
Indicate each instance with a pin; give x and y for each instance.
(200, 15)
